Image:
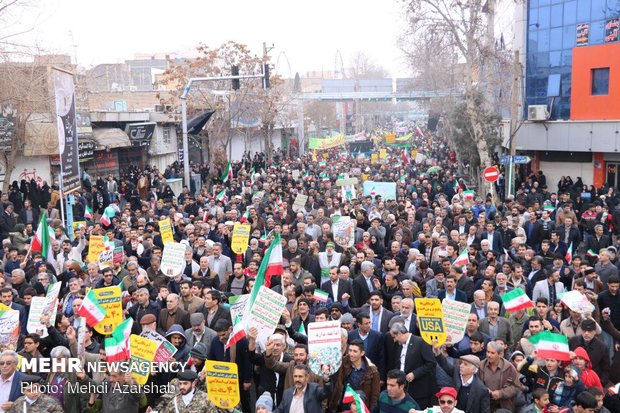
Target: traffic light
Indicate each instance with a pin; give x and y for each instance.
(234, 71)
(266, 83)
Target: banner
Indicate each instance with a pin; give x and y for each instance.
(237, 305)
(430, 320)
(51, 300)
(326, 143)
(389, 139)
(9, 330)
(240, 237)
(222, 381)
(324, 342)
(95, 247)
(265, 313)
(387, 190)
(119, 254)
(106, 259)
(142, 353)
(455, 315)
(81, 338)
(172, 258)
(111, 299)
(165, 230)
(165, 349)
(343, 229)
(78, 224)
(300, 202)
(67, 130)
(382, 153)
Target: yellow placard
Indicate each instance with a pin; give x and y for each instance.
(365, 177)
(5, 307)
(240, 237)
(222, 383)
(165, 229)
(77, 224)
(390, 138)
(430, 320)
(325, 155)
(414, 154)
(95, 247)
(374, 158)
(382, 153)
(142, 353)
(111, 299)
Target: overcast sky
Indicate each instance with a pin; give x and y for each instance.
(308, 32)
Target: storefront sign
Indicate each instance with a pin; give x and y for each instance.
(583, 34)
(140, 134)
(611, 30)
(86, 150)
(7, 131)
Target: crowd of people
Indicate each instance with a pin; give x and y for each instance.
(542, 241)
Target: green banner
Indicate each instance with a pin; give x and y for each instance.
(326, 143)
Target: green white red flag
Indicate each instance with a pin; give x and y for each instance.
(462, 259)
(236, 335)
(569, 254)
(88, 213)
(91, 310)
(42, 239)
(551, 346)
(227, 175)
(221, 197)
(351, 396)
(516, 300)
(117, 346)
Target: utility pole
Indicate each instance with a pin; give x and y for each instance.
(514, 121)
(267, 127)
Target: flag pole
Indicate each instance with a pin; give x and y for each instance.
(62, 207)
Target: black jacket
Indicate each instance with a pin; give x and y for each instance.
(313, 398)
(598, 353)
(421, 362)
(478, 400)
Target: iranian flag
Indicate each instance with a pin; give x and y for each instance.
(469, 195)
(236, 335)
(91, 310)
(88, 213)
(516, 300)
(462, 259)
(569, 254)
(270, 265)
(551, 346)
(306, 176)
(456, 186)
(419, 131)
(405, 157)
(41, 241)
(320, 295)
(205, 216)
(322, 164)
(343, 155)
(324, 177)
(227, 175)
(245, 216)
(549, 208)
(592, 254)
(351, 396)
(403, 179)
(221, 197)
(117, 346)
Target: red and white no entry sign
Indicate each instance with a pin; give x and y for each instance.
(491, 174)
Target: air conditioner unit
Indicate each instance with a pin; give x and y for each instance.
(537, 113)
(159, 108)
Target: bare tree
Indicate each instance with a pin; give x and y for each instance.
(459, 31)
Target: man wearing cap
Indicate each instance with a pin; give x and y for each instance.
(33, 401)
(597, 350)
(473, 396)
(367, 283)
(189, 399)
(199, 332)
(446, 398)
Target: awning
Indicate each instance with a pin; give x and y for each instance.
(110, 138)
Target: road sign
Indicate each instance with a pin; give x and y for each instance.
(521, 159)
(491, 174)
(504, 159)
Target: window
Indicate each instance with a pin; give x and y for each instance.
(600, 81)
(166, 136)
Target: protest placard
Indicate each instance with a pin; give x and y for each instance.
(9, 330)
(106, 259)
(119, 254)
(300, 202)
(111, 299)
(240, 237)
(258, 196)
(34, 324)
(96, 246)
(165, 230)
(142, 354)
(347, 181)
(265, 313)
(296, 173)
(172, 258)
(386, 189)
(81, 338)
(343, 230)
(237, 305)
(165, 349)
(324, 342)
(222, 383)
(430, 320)
(455, 318)
(51, 300)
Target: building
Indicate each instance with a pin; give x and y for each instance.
(571, 105)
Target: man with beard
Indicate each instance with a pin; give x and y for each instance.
(189, 399)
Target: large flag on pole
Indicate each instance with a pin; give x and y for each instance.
(228, 174)
(462, 259)
(91, 310)
(41, 241)
(270, 265)
(516, 300)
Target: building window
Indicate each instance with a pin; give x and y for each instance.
(600, 81)
(166, 137)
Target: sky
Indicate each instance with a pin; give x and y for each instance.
(308, 33)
